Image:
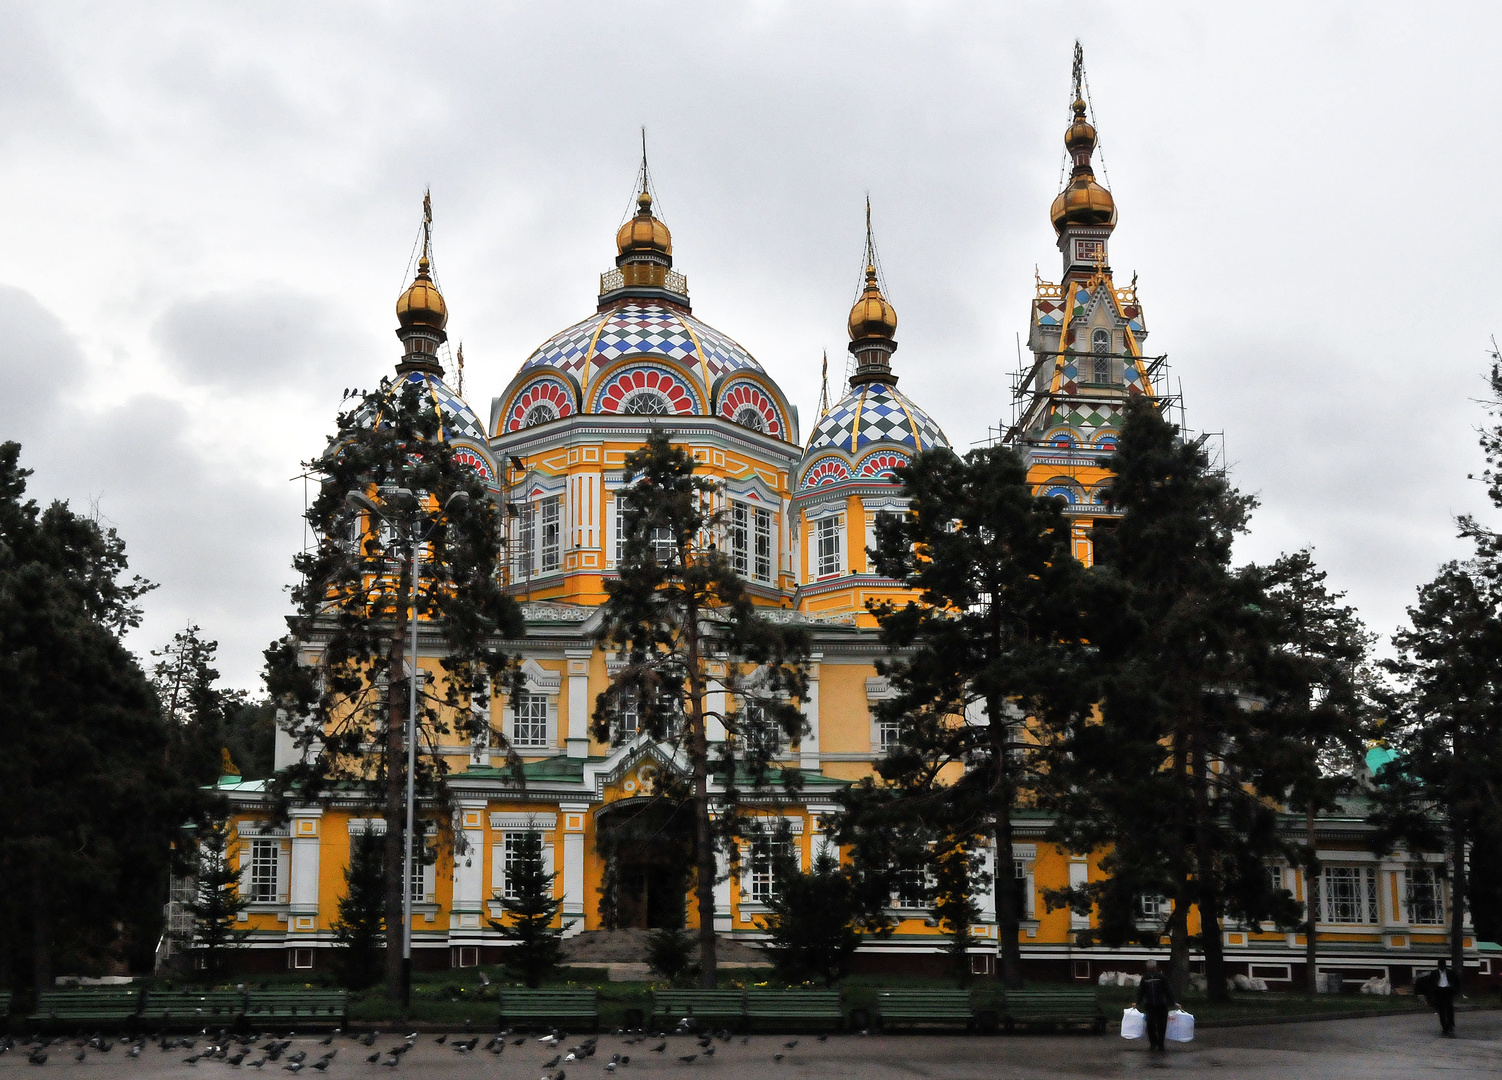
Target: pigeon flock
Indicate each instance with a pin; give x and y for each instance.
(263, 1052)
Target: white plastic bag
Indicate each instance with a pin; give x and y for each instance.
(1133, 1023)
(1180, 1026)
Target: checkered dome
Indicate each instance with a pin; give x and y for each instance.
(456, 419)
(874, 413)
(645, 329)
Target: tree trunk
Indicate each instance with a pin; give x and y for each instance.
(704, 861)
(1004, 886)
(1457, 903)
(1311, 888)
(396, 819)
(1207, 893)
(41, 933)
(1178, 946)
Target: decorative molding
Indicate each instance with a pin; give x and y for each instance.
(524, 822)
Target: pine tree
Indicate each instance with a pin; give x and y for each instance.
(193, 705)
(813, 920)
(362, 910)
(1444, 721)
(532, 909)
(85, 873)
(1184, 647)
(678, 610)
(354, 595)
(990, 657)
(217, 903)
(1319, 655)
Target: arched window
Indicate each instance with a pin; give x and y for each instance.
(1100, 345)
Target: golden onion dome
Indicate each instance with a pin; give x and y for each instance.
(422, 304)
(644, 234)
(1081, 135)
(1083, 201)
(872, 316)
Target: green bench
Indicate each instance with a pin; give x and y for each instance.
(706, 1007)
(296, 1007)
(1054, 1007)
(103, 1006)
(815, 1008)
(521, 1007)
(193, 1009)
(949, 1007)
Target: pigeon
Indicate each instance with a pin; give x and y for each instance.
(321, 1064)
(328, 1040)
(571, 1056)
(688, 1059)
(705, 1040)
(293, 1066)
(238, 1057)
(626, 1060)
(468, 1046)
(373, 1058)
(778, 1056)
(391, 1062)
(80, 1055)
(135, 1051)
(519, 1041)
(36, 1057)
(192, 1060)
(709, 1051)
(659, 1048)
(790, 1043)
(298, 1058)
(610, 1066)
(824, 1037)
(552, 1061)
(442, 1039)
(257, 1063)
(745, 1040)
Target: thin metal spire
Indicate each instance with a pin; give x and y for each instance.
(427, 225)
(459, 363)
(824, 387)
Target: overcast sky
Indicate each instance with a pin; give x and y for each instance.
(210, 210)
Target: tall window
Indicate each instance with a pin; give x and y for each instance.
(526, 540)
(511, 857)
(1019, 886)
(1275, 877)
(887, 734)
(627, 714)
(265, 857)
(827, 552)
(762, 871)
(1347, 894)
(1153, 906)
(1426, 897)
(748, 538)
(530, 720)
(663, 546)
(912, 889)
(417, 883)
(1100, 345)
(550, 555)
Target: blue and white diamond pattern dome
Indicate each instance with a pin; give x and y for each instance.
(875, 413)
(457, 422)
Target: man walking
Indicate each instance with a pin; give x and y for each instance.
(1444, 998)
(1155, 998)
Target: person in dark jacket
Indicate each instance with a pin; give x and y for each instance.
(1155, 998)
(1444, 998)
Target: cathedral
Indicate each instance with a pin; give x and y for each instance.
(802, 495)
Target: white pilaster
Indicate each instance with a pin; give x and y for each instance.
(578, 693)
(808, 748)
(302, 887)
(469, 865)
(722, 893)
(573, 815)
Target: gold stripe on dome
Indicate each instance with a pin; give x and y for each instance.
(703, 363)
(590, 378)
(855, 425)
(911, 423)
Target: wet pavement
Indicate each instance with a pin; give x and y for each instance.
(1405, 1046)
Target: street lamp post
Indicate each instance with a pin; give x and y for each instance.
(416, 535)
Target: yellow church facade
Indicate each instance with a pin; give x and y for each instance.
(800, 513)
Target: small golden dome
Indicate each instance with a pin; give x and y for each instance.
(872, 316)
(1081, 135)
(1083, 202)
(422, 304)
(644, 234)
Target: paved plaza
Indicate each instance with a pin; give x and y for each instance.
(1401, 1046)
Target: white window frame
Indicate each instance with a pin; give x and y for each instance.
(550, 535)
(763, 546)
(663, 545)
(503, 855)
(761, 866)
(1358, 889)
(263, 883)
(1430, 882)
(530, 708)
(828, 542)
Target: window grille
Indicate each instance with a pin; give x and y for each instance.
(1347, 894)
(265, 858)
(530, 720)
(761, 562)
(828, 551)
(763, 867)
(1426, 897)
(550, 556)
